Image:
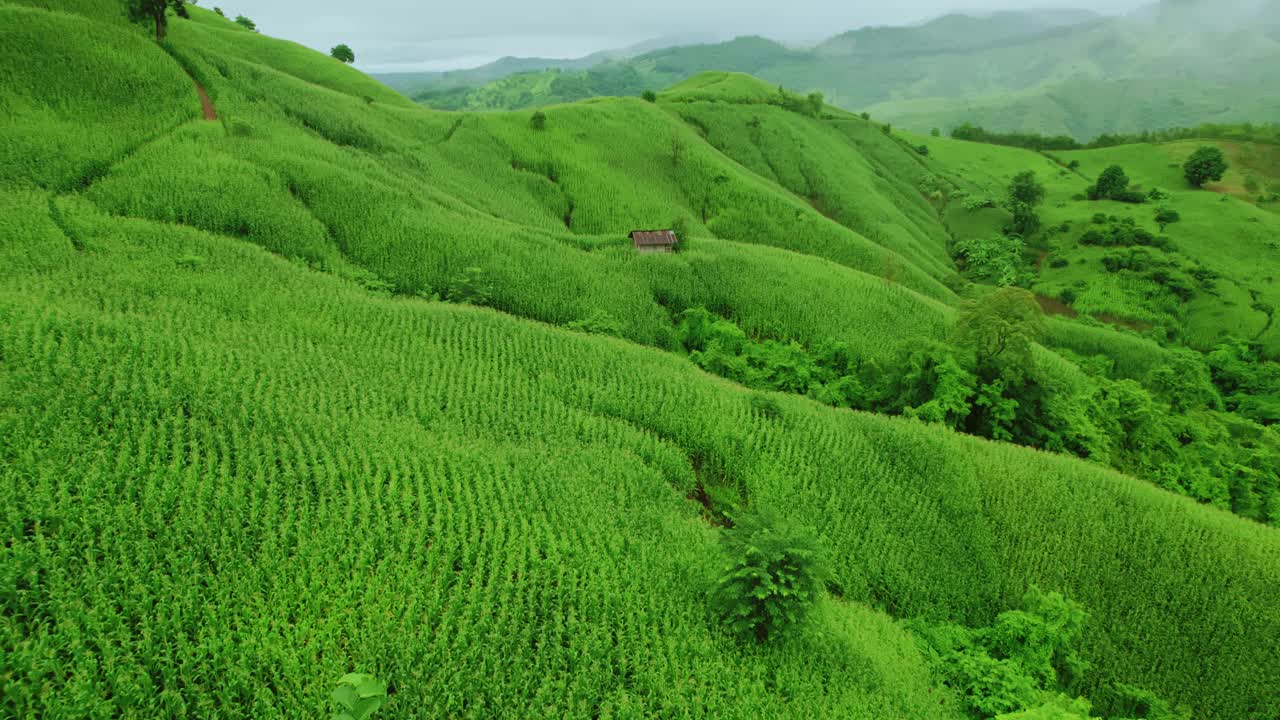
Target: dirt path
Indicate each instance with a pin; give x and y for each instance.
(1054, 306)
(206, 105)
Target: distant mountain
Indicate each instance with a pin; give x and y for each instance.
(953, 33)
(1179, 62)
(410, 83)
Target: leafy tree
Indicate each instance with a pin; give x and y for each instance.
(931, 384)
(1043, 637)
(1001, 329)
(1185, 382)
(1205, 164)
(1167, 216)
(775, 572)
(815, 102)
(157, 12)
(246, 23)
(649, 96)
(1112, 183)
(343, 53)
(1025, 193)
(218, 11)
(538, 121)
(1025, 188)
(1025, 219)
(936, 132)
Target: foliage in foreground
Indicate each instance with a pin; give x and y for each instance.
(775, 572)
(1027, 666)
(358, 696)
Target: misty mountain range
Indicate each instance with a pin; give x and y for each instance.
(1178, 62)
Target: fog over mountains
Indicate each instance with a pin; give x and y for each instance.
(1073, 72)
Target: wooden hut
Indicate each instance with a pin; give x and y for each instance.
(654, 241)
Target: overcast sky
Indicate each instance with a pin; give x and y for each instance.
(390, 35)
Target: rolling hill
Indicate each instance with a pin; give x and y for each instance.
(332, 382)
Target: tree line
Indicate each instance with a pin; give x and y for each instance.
(1245, 132)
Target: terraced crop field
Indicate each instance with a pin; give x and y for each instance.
(337, 384)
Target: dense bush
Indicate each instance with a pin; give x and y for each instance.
(774, 571)
(1113, 184)
(1206, 164)
(1122, 233)
(996, 260)
(1166, 216)
(1026, 665)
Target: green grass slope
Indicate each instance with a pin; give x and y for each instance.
(270, 520)
(249, 454)
(137, 92)
(221, 37)
(248, 450)
(1220, 230)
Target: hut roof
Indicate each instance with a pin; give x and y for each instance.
(653, 237)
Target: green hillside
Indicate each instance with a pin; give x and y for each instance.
(1172, 64)
(337, 383)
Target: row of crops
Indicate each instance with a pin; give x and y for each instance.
(238, 480)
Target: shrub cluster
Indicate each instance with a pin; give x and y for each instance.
(775, 570)
(1123, 232)
(1026, 665)
(988, 380)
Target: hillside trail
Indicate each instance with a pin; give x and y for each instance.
(206, 105)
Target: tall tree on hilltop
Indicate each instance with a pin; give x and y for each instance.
(343, 53)
(156, 11)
